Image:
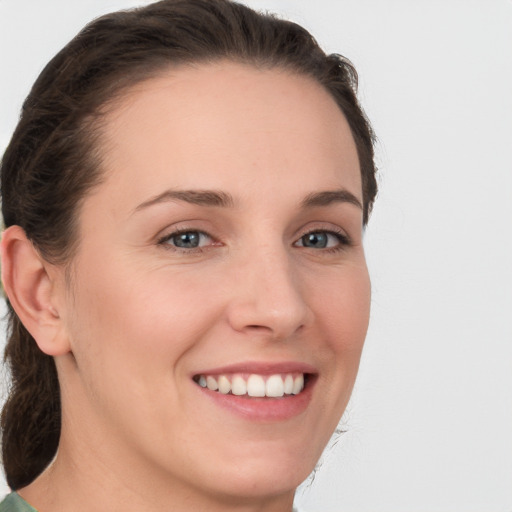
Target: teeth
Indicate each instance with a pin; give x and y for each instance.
(211, 383)
(255, 385)
(298, 384)
(238, 386)
(224, 385)
(273, 386)
(288, 384)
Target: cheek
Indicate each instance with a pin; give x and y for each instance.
(131, 314)
(344, 308)
(342, 312)
(131, 333)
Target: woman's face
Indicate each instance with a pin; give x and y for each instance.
(224, 248)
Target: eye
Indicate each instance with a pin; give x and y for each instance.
(189, 239)
(322, 240)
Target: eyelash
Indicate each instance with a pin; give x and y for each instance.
(164, 241)
(342, 238)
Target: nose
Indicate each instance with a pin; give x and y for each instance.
(268, 296)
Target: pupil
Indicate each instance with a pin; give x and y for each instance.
(188, 240)
(317, 240)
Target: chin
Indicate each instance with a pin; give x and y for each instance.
(274, 473)
(251, 484)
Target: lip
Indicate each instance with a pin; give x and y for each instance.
(264, 409)
(261, 368)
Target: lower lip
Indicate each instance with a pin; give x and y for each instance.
(263, 409)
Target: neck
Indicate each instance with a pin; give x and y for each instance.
(102, 465)
(94, 479)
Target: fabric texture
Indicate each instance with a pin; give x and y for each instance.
(15, 503)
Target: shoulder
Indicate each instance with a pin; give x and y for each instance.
(15, 503)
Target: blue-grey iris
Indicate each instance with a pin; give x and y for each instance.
(315, 240)
(188, 240)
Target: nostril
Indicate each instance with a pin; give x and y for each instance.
(279, 314)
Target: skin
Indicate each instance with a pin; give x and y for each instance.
(140, 316)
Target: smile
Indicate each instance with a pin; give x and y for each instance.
(254, 385)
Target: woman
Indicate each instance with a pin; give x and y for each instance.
(184, 199)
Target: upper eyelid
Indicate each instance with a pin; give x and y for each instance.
(342, 241)
(299, 234)
(165, 243)
(343, 238)
(180, 231)
(184, 226)
(333, 229)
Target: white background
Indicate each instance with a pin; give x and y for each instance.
(430, 423)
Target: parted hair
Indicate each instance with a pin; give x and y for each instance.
(53, 159)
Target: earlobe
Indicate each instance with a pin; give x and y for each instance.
(31, 290)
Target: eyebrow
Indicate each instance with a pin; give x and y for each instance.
(328, 197)
(214, 198)
(198, 197)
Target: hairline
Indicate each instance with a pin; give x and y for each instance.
(95, 124)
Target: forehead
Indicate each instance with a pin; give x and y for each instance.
(227, 124)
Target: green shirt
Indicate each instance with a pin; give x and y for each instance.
(15, 503)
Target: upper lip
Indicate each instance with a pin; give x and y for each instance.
(261, 368)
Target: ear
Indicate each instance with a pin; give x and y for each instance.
(30, 284)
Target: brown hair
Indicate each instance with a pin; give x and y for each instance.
(52, 162)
